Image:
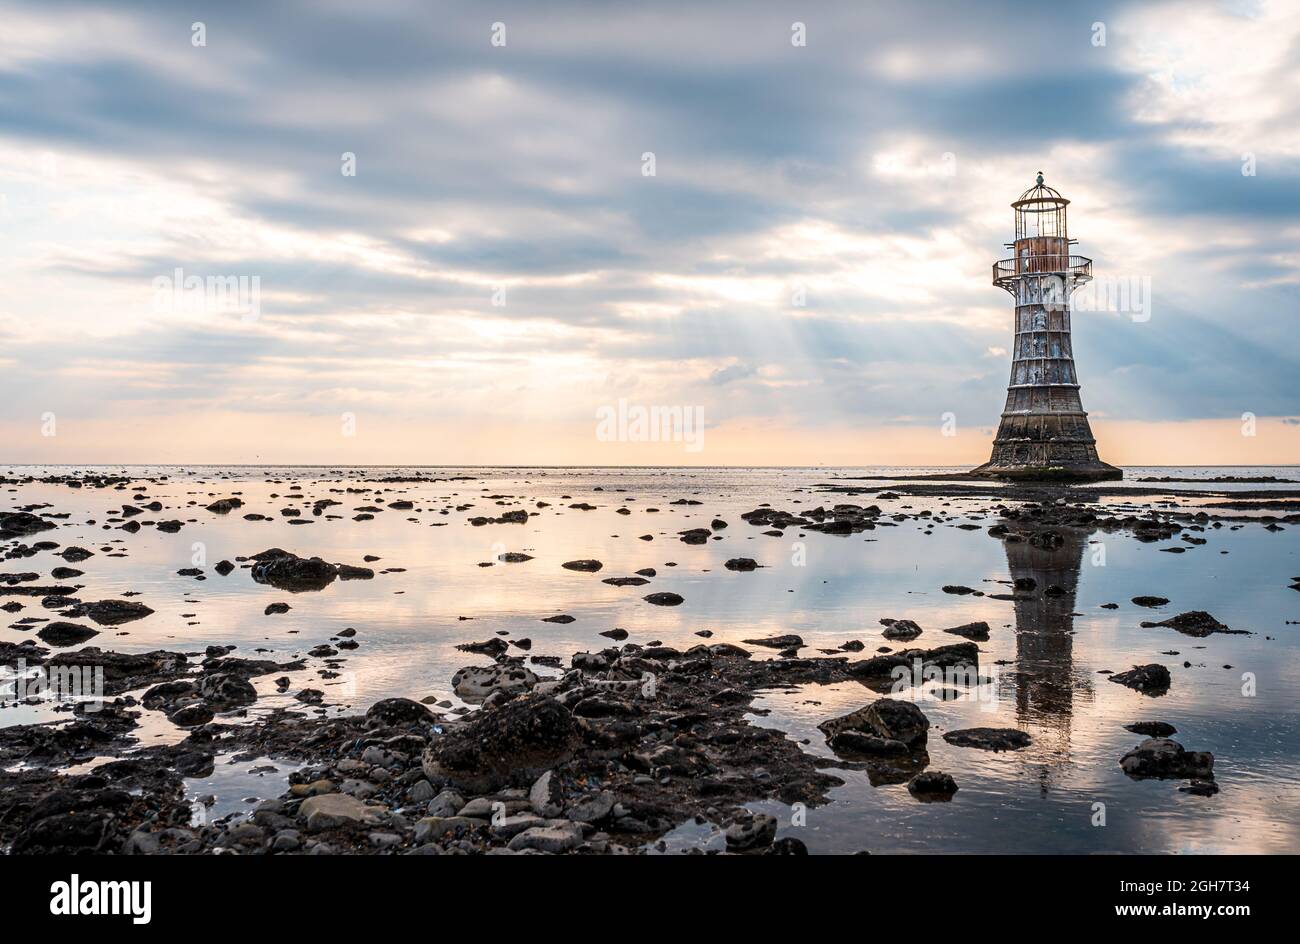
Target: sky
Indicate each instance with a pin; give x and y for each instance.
(402, 232)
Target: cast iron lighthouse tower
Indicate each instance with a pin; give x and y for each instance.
(1044, 433)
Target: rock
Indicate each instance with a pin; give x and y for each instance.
(887, 718)
(17, 523)
(742, 564)
(787, 845)
(957, 589)
(989, 739)
(561, 618)
(788, 641)
(398, 711)
(860, 742)
(66, 634)
(615, 633)
(1197, 623)
(274, 608)
(331, 810)
(446, 803)
(900, 629)
(626, 581)
(113, 612)
(1167, 759)
(664, 599)
(754, 832)
(224, 567)
(225, 690)
(287, 571)
(1152, 679)
(489, 647)
(548, 838)
(1152, 729)
(431, 828)
(191, 715)
(224, 506)
(932, 785)
(514, 557)
(695, 536)
(958, 656)
(513, 742)
(545, 797)
(475, 683)
(479, 808)
(591, 808)
(978, 631)
(286, 840)
(585, 566)
(246, 834)
(1150, 601)
(510, 826)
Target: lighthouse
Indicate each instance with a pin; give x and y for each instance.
(1044, 432)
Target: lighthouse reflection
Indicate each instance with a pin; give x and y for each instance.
(1045, 681)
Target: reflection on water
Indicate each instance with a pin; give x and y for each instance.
(1045, 653)
(1046, 682)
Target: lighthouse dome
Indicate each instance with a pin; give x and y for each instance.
(1040, 193)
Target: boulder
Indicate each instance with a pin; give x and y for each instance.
(514, 742)
(1196, 623)
(754, 832)
(66, 634)
(475, 683)
(225, 690)
(1152, 679)
(978, 631)
(900, 629)
(332, 810)
(887, 718)
(113, 612)
(398, 711)
(1167, 759)
(932, 785)
(665, 598)
(558, 838)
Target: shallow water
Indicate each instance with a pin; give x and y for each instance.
(828, 589)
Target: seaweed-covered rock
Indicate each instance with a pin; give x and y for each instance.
(512, 743)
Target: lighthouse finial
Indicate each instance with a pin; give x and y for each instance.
(1040, 178)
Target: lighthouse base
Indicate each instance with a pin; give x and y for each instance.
(1097, 472)
(1054, 460)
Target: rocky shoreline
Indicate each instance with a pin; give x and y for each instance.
(603, 751)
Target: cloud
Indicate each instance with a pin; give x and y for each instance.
(813, 247)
